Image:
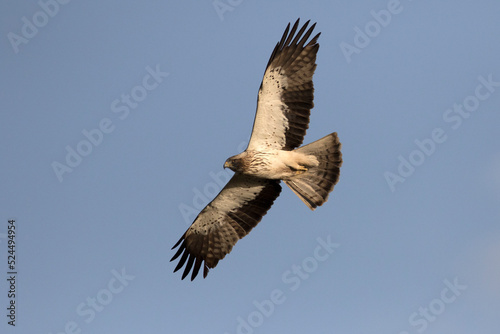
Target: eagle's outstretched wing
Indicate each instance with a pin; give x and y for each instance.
(286, 94)
(233, 213)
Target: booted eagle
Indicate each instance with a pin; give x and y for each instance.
(283, 107)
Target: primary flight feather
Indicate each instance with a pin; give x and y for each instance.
(284, 104)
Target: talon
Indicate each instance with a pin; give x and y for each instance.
(300, 170)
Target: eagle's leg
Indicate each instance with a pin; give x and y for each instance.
(300, 169)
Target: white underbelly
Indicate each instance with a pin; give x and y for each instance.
(280, 164)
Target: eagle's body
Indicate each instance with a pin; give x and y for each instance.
(273, 154)
(273, 165)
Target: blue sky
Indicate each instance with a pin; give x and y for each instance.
(116, 118)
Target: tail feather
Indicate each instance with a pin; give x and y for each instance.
(314, 185)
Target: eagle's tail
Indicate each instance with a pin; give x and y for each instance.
(314, 185)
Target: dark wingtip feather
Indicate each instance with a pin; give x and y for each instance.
(179, 251)
(181, 261)
(288, 35)
(189, 265)
(314, 40)
(205, 272)
(196, 267)
(178, 242)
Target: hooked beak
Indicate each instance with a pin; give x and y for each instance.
(227, 164)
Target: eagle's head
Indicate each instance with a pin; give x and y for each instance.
(236, 163)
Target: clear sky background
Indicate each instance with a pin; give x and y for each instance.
(414, 220)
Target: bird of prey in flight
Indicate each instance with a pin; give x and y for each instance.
(273, 154)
